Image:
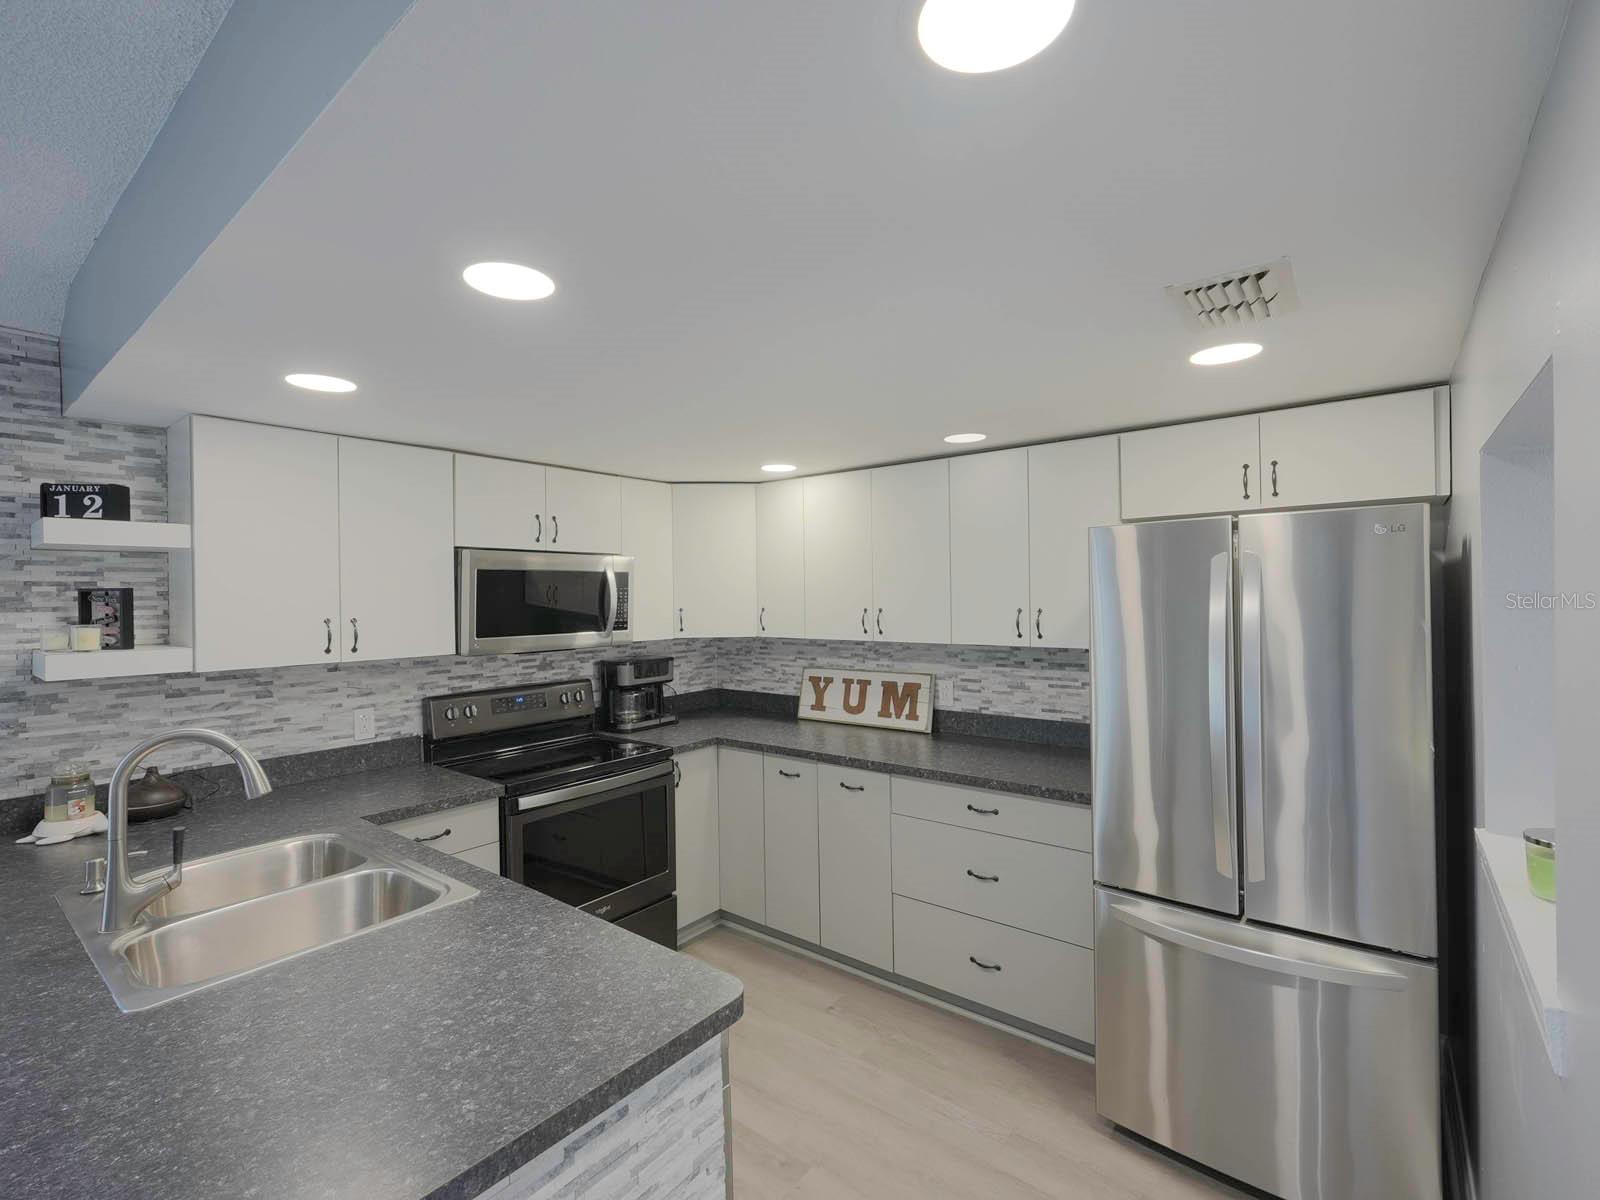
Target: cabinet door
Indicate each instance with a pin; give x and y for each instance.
(266, 545)
(793, 889)
(741, 834)
(500, 504)
(1188, 470)
(1376, 448)
(1072, 487)
(699, 875)
(396, 552)
(989, 549)
(584, 511)
(911, 552)
(854, 864)
(647, 537)
(838, 521)
(714, 559)
(781, 559)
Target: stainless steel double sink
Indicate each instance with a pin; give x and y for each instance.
(247, 909)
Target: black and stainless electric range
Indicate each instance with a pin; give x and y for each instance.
(587, 816)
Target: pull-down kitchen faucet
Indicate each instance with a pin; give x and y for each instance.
(127, 896)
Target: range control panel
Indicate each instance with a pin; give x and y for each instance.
(507, 708)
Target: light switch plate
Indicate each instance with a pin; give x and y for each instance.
(366, 725)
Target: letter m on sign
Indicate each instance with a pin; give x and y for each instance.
(900, 701)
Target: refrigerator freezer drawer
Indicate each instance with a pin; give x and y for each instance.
(1305, 1068)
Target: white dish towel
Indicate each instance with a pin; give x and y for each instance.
(48, 833)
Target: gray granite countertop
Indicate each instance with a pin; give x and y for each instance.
(426, 1059)
(1054, 772)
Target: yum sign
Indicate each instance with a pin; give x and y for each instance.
(887, 700)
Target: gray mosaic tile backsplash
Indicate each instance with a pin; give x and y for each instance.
(297, 709)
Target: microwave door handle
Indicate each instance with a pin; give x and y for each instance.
(1220, 695)
(611, 597)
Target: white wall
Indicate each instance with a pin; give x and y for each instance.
(1540, 297)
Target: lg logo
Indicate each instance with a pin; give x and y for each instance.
(1397, 527)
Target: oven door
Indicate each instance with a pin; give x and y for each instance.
(606, 846)
(510, 601)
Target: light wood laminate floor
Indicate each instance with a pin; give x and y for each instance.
(844, 1090)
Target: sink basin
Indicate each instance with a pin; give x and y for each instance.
(245, 910)
(256, 871)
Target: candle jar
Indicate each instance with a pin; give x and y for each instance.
(1540, 847)
(71, 794)
(54, 639)
(84, 637)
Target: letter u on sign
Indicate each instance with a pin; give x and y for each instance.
(882, 699)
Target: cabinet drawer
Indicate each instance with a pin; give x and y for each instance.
(1052, 821)
(487, 857)
(469, 826)
(1038, 979)
(1041, 888)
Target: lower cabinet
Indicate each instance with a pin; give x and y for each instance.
(697, 837)
(793, 891)
(853, 856)
(741, 834)
(470, 833)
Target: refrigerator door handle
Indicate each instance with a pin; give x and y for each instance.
(1220, 696)
(1255, 816)
(1279, 964)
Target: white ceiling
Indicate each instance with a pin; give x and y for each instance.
(84, 86)
(779, 232)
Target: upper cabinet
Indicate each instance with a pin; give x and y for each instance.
(584, 511)
(989, 549)
(781, 559)
(838, 556)
(1072, 487)
(1204, 467)
(647, 538)
(1376, 448)
(714, 559)
(911, 552)
(499, 504)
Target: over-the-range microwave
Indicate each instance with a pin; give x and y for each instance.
(512, 601)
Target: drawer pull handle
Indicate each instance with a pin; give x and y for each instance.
(852, 787)
(981, 965)
(434, 837)
(788, 774)
(985, 878)
(983, 812)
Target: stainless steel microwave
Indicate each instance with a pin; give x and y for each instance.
(513, 601)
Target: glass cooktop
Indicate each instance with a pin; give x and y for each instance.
(536, 768)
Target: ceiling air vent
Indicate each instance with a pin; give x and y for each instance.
(1238, 298)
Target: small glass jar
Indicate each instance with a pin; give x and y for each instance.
(1540, 847)
(54, 639)
(84, 637)
(71, 794)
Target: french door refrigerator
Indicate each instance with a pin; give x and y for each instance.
(1266, 1000)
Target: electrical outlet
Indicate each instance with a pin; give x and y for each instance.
(366, 725)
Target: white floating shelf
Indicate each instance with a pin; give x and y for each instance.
(53, 666)
(68, 533)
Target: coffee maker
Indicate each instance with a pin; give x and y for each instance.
(633, 692)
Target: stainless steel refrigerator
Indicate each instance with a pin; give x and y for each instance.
(1266, 1000)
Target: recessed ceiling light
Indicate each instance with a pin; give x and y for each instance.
(777, 468)
(962, 439)
(976, 36)
(1216, 356)
(509, 281)
(320, 383)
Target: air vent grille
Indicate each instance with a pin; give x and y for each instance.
(1239, 298)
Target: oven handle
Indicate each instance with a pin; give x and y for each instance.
(594, 787)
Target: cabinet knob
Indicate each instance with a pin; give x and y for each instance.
(355, 636)
(327, 624)
(761, 619)
(680, 620)
(538, 529)
(863, 620)
(1247, 481)
(852, 787)
(1038, 623)
(555, 529)
(983, 966)
(880, 622)
(983, 878)
(1019, 622)
(788, 774)
(1274, 477)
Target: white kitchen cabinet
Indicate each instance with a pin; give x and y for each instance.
(838, 570)
(259, 586)
(910, 546)
(499, 504)
(1202, 467)
(854, 865)
(396, 558)
(714, 559)
(781, 559)
(647, 538)
(583, 510)
(989, 549)
(1376, 448)
(1072, 487)
(741, 834)
(790, 800)
(698, 862)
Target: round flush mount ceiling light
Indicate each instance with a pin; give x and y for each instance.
(320, 383)
(977, 36)
(509, 281)
(964, 439)
(777, 468)
(1216, 356)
